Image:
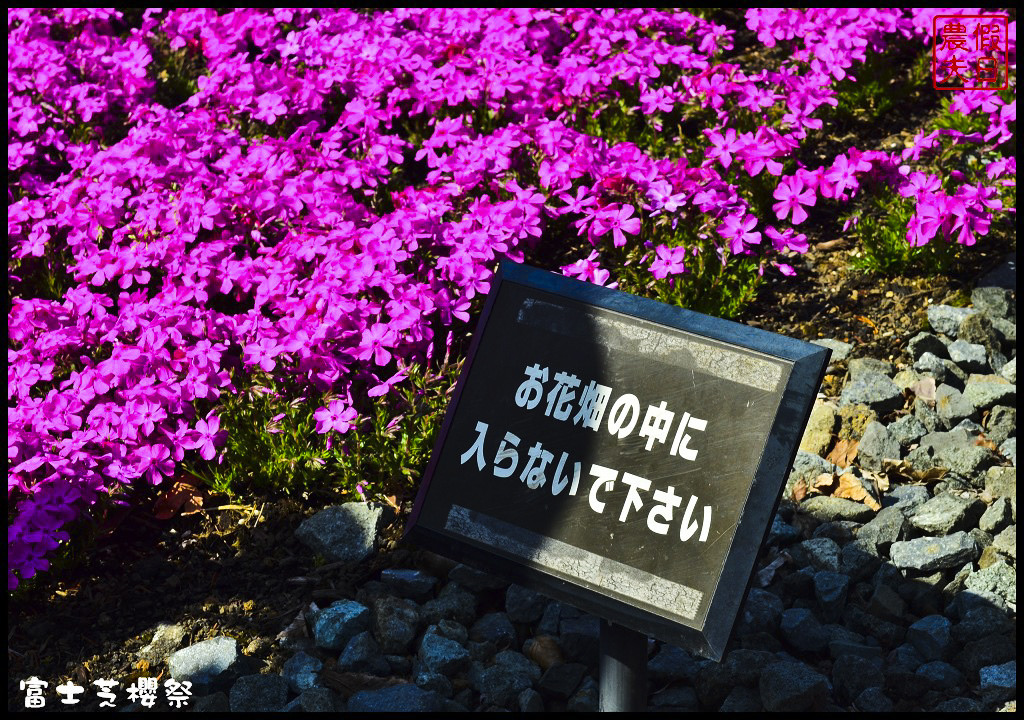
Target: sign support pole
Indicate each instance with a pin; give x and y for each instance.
(623, 669)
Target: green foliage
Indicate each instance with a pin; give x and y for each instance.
(882, 85)
(272, 443)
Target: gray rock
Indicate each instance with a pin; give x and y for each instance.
(827, 509)
(519, 663)
(781, 532)
(363, 654)
(998, 682)
(951, 405)
(217, 702)
(907, 498)
(792, 687)
(452, 603)
(1009, 370)
(997, 516)
(674, 663)
(984, 391)
(932, 637)
(434, 682)
(762, 611)
(875, 390)
(676, 698)
(852, 675)
(888, 526)
(906, 378)
(958, 705)
(1007, 332)
(549, 619)
(821, 426)
(955, 450)
(500, 685)
(859, 559)
(944, 514)
(946, 319)
(801, 630)
(1002, 424)
(934, 553)
(931, 364)
(407, 583)
(822, 553)
(853, 645)
(585, 699)
(580, 638)
(344, 532)
(996, 361)
(495, 628)
(978, 329)
(927, 416)
(858, 367)
(524, 605)
(874, 700)
(475, 580)
(302, 671)
(998, 578)
(840, 350)
(442, 655)
(258, 693)
(905, 657)
(995, 302)
(319, 700)
(831, 589)
(970, 427)
(970, 357)
(876, 445)
(530, 700)
(203, 662)
(395, 699)
(1006, 542)
(338, 623)
(166, 640)
(992, 650)
(742, 700)
(1001, 482)
(925, 342)
(941, 675)
(561, 680)
(980, 622)
(1009, 450)
(907, 430)
(395, 624)
(806, 467)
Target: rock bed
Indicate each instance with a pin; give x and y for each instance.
(889, 584)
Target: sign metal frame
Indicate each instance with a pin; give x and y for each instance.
(806, 368)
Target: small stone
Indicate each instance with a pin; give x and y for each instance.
(944, 514)
(1009, 370)
(338, 623)
(978, 329)
(992, 650)
(941, 675)
(822, 553)
(995, 302)
(519, 663)
(258, 694)
(407, 583)
(495, 628)
(925, 342)
(500, 685)
(831, 589)
(781, 532)
(165, 640)
(888, 526)
(951, 405)
(344, 532)
(906, 378)
(761, 611)
(958, 705)
(561, 681)
(363, 654)
(859, 559)
(801, 630)
(873, 700)
(877, 445)
(1008, 449)
(852, 675)
(931, 364)
(931, 636)
(792, 687)
(318, 700)
(907, 498)
(442, 655)
(970, 357)
(1001, 424)
(203, 662)
(827, 508)
(1001, 482)
(946, 319)
(904, 657)
(453, 603)
(998, 682)
(907, 430)
(530, 700)
(580, 638)
(217, 702)
(302, 672)
(887, 604)
(585, 699)
(1006, 542)
(674, 663)
(840, 350)
(1007, 332)
(524, 605)
(934, 553)
(998, 578)
(997, 516)
(395, 699)
(396, 623)
(821, 426)
(859, 366)
(985, 391)
(875, 390)
(981, 622)
(742, 700)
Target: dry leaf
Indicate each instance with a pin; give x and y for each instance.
(349, 683)
(543, 650)
(984, 442)
(765, 574)
(902, 472)
(851, 488)
(824, 483)
(843, 453)
(182, 498)
(799, 491)
(924, 389)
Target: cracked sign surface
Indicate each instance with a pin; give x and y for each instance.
(605, 450)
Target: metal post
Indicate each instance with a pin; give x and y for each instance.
(623, 671)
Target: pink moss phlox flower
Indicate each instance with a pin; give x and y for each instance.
(738, 229)
(792, 197)
(335, 417)
(668, 261)
(206, 437)
(588, 269)
(619, 220)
